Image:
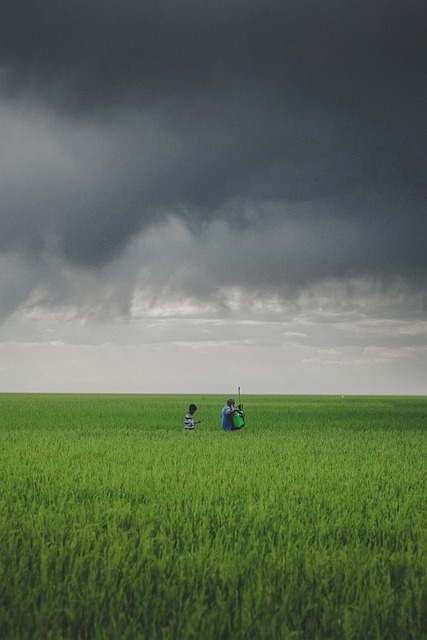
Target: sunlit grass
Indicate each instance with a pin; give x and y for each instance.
(309, 523)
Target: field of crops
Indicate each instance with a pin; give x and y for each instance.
(309, 523)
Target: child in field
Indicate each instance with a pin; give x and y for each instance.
(189, 418)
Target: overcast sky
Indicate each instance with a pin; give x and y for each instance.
(197, 195)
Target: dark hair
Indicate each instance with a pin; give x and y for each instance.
(192, 408)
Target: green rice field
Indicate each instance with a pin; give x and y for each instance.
(311, 522)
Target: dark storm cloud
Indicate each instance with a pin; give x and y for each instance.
(105, 50)
(211, 109)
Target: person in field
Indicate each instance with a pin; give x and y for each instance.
(189, 418)
(227, 415)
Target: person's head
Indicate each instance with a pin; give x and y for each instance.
(192, 409)
(231, 402)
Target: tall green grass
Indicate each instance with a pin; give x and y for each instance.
(309, 523)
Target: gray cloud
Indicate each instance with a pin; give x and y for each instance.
(297, 128)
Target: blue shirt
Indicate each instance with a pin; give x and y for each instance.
(227, 418)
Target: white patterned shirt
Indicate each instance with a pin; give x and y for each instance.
(189, 422)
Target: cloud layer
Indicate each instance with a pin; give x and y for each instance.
(189, 149)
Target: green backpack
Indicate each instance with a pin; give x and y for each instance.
(238, 420)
